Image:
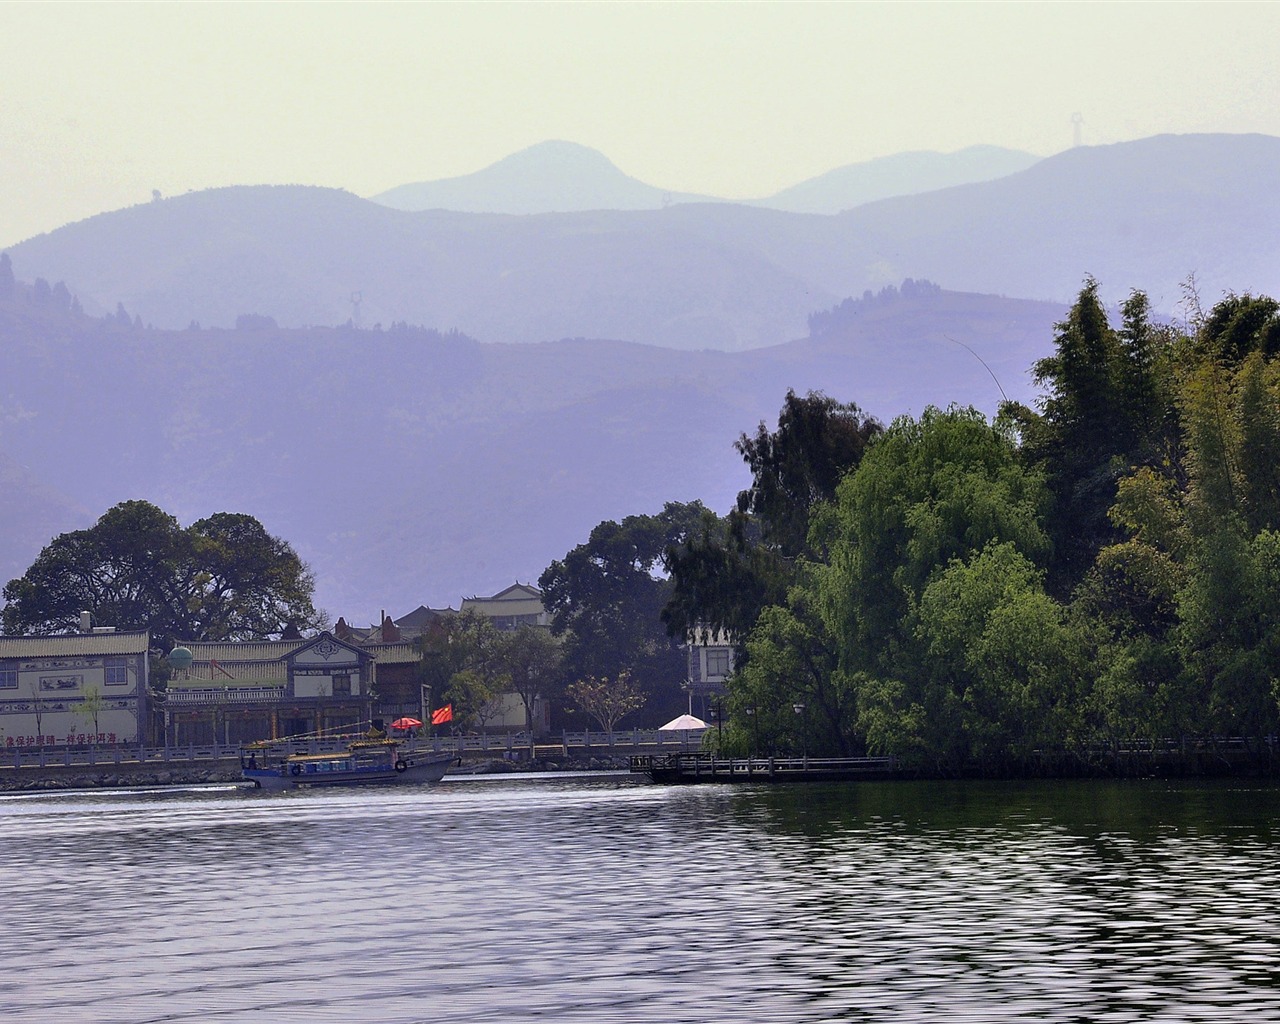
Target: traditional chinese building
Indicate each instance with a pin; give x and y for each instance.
(238, 692)
(519, 605)
(82, 688)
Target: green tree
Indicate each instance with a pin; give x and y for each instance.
(606, 599)
(466, 645)
(793, 660)
(222, 578)
(722, 576)
(474, 696)
(800, 464)
(929, 493)
(730, 569)
(1007, 663)
(929, 490)
(607, 700)
(1238, 325)
(1107, 407)
(90, 709)
(533, 660)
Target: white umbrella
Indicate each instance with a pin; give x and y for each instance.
(683, 722)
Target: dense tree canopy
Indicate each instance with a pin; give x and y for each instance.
(1108, 406)
(728, 570)
(222, 578)
(606, 598)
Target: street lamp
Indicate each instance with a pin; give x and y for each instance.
(801, 710)
(755, 730)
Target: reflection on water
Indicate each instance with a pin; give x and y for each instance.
(609, 899)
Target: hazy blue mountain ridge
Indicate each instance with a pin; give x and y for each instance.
(551, 177)
(1145, 214)
(901, 174)
(695, 275)
(564, 177)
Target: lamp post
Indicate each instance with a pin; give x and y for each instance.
(755, 730)
(713, 712)
(801, 710)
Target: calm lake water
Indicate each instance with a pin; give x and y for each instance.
(607, 898)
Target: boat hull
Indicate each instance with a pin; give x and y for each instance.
(418, 769)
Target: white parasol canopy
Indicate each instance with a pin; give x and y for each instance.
(684, 722)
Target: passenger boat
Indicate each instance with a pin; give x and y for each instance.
(363, 762)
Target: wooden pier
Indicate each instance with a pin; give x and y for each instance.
(704, 767)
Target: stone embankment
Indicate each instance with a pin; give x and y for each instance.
(542, 764)
(144, 776)
(119, 776)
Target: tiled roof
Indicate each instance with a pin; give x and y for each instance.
(420, 617)
(225, 684)
(253, 650)
(403, 653)
(202, 675)
(74, 644)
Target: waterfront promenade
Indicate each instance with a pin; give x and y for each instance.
(505, 746)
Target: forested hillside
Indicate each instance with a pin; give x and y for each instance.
(410, 466)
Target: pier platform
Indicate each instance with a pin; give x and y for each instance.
(704, 767)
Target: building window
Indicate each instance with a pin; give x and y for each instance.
(8, 678)
(115, 672)
(342, 686)
(717, 662)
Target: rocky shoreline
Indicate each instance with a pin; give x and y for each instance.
(147, 777)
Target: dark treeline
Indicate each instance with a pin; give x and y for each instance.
(1101, 572)
(847, 313)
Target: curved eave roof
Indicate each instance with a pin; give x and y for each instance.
(74, 645)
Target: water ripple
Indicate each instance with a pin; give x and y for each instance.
(608, 899)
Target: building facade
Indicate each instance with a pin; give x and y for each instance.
(519, 605)
(81, 689)
(269, 689)
(711, 661)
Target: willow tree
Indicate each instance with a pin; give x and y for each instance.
(929, 493)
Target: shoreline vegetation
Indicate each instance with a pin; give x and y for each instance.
(1021, 596)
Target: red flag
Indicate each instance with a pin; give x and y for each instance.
(441, 715)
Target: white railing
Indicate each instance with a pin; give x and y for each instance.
(243, 695)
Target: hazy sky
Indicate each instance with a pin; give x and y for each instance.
(101, 103)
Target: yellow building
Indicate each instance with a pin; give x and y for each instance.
(82, 688)
(519, 605)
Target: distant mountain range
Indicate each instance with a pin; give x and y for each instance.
(413, 467)
(416, 464)
(564, 177)
(724, 276)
